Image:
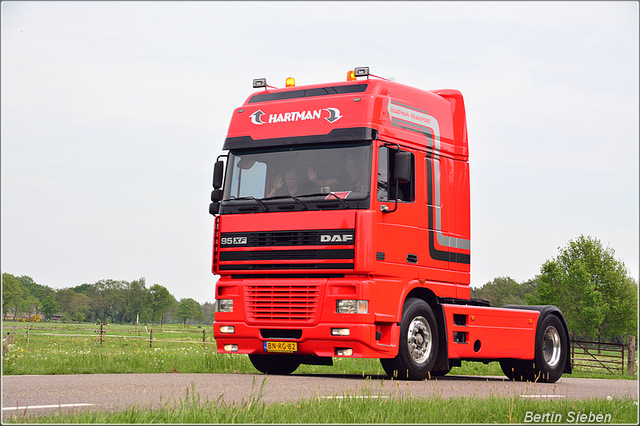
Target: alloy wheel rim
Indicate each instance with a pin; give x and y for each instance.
(419, 339)
(551, 346)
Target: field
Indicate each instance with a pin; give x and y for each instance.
(78, 349)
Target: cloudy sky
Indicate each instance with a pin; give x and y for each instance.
(114, 112)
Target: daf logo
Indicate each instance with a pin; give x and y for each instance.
(228, 241)
(336, 238)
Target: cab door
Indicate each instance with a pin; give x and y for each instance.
(396, 236)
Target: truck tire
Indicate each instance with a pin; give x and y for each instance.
(275, 364)
(516, 369)
(418, 343)
(552, 349)
(550, 355)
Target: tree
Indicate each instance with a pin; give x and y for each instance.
(503, 291)
(105, 296)
(189, 309)
(12, 295)
(207, 310)
(63, 297)
(79, 307)
(33, 288)
(50, 306)
(135, 298)
(31, 305)
(592, 288)
(160, 302)
(82, 288)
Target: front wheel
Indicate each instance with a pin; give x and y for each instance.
(275, 364)
(418, 344)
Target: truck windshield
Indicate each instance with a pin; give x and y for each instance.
(294, 172)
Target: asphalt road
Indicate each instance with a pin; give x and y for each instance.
(109, 391)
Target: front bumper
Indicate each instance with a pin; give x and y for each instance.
(316, 340)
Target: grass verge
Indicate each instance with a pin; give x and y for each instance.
(361, 408)
(171, 352)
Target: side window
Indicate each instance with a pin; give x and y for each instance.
(387, 179)
(383, 174)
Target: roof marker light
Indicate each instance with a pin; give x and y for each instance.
(290, 82)
(351, 75)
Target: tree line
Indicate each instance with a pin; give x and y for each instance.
(114, 301)
(593, 289)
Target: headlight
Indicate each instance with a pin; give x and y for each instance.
(224, 305)
(352, 306)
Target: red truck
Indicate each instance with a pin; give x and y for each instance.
(342, 229)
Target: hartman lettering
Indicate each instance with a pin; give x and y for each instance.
(295, 116)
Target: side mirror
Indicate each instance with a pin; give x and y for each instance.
(216, 195)
(218, 171)
(402, 166)
(214, 208)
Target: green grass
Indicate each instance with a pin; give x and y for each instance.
(55, 348)
(76, 349)
(366, 407)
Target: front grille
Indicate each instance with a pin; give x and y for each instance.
(281, 303)
(288, 254)
(297, 238)
(307, 250)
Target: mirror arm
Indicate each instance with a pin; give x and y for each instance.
(396, 206)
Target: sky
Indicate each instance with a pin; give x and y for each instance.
(113, 114)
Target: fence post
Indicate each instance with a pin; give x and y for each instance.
(5, 347)
(28, 327)
(151, 338)
(204, 343)
(631, 356)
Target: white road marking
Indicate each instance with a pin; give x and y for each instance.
(542, 396)
(30, 407)
(354, 396)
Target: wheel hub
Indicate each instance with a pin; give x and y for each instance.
(551, 346)
(419, 339)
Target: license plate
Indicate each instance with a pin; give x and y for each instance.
(280, 346)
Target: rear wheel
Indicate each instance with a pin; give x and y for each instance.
(551, 350)
(418, 343)
(550, 355)
(516, 369)
(275, 364)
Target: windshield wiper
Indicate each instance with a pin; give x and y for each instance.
(296, 199)
(250, 197)
(324, 194)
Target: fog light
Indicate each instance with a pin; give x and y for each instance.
(227, 329)
(231, 348)
(344, 352)
(352, 306)
(339, 331)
